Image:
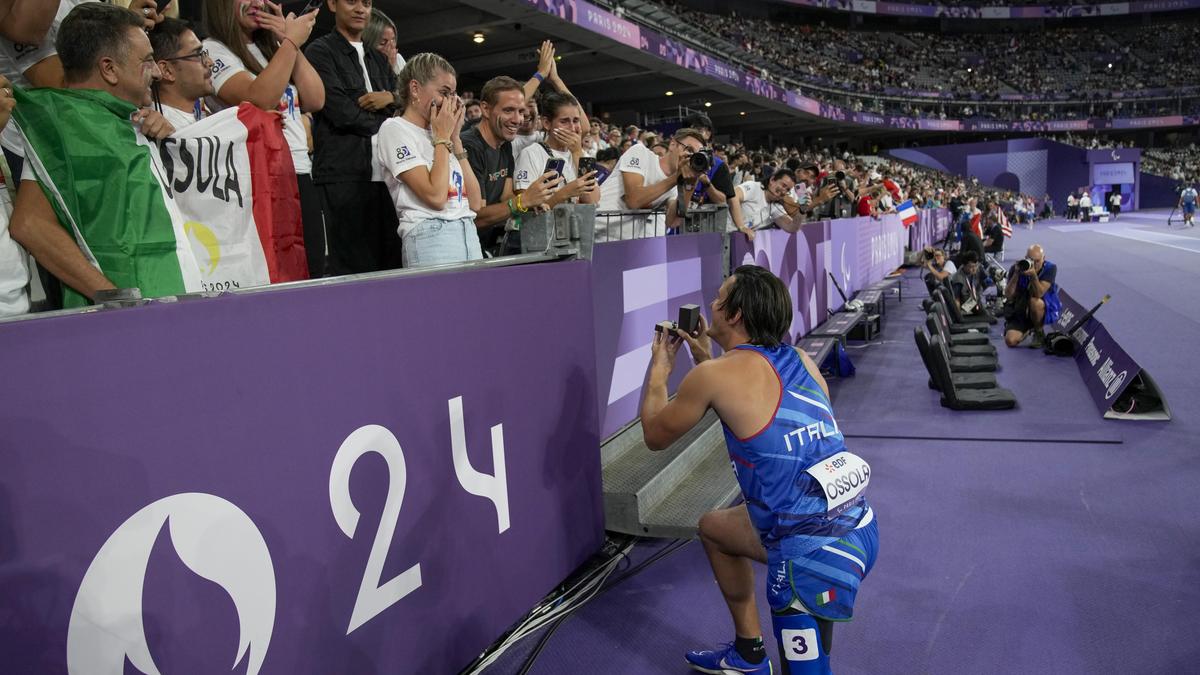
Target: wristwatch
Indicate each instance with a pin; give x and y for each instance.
(446, 142)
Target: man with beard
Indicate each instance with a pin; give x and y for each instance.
(186, 72)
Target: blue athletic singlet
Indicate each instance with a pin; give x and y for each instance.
(790, 508)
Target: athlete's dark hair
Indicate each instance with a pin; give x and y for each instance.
(764, 303)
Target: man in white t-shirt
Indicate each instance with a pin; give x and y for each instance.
(1085, 206)
(643, 180)
(186, 72)
(1114, 204)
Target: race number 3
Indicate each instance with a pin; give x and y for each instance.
(799, 645)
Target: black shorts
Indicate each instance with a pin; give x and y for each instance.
(1018, 321)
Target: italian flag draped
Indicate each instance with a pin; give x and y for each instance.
(214, 207)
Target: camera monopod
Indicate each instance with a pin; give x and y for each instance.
(852, 305)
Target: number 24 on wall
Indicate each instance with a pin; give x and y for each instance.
(106, 624)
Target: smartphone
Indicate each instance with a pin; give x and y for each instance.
(312, 4)
(586, 165)
(556, 164)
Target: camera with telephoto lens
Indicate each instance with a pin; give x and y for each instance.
(700, 160)
(1025, 264)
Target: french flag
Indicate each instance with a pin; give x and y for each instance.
(908, 213)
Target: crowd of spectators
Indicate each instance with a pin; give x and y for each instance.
(395, 166)
(1180, 163)
(1065, 73)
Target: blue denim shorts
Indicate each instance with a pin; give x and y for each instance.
(440, 242)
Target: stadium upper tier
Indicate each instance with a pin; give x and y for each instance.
(996, 9)
(1057, 73)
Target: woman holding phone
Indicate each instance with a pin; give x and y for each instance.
(434, 190)
(256, 57)
(562, 120)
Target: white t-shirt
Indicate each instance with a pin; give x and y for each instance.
(14, 267)
(1115, 199)
(757, 213)
(362, 63)
(640, 160)
(179, 118)
(519, 142)
(226, 65)
(1085, 202)
(15, 59)
(404, 146)
(532, 164)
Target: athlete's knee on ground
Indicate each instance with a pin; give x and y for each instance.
(1013, 338)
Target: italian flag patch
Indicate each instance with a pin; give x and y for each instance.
(826, 597)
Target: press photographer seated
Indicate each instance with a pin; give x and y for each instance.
(1031, 298)
(940, 268)
(968, 284)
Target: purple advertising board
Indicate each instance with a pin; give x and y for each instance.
(856, 251)
(360, 477)
(931, 227)
(636, 284)
(1105, 367)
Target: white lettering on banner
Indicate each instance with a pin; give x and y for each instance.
(843, 477)
(494, 487)
(204, 170)
(885, 247)
(1066, 318)
(1093, 354)
(373, 597)
(106, 625)
(1111, 378)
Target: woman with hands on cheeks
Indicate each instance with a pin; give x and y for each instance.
(434, 190)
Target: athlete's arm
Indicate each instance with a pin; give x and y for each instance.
(665, 422)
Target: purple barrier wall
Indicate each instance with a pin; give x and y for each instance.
(931, 227)
(258, 428)
(858, 251)
(1158, 192)
(635, 285)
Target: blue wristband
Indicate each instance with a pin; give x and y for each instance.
(538, 76)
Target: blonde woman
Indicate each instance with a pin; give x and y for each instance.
(434, 190)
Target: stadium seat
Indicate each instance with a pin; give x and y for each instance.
(957, 398)
(955, 339)
(960, 380)
(935, 328)
(959, 364)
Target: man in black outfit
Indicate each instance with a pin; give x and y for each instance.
(360, 220)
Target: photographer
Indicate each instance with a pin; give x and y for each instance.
(940, 268)
(643, 180)
(715, 185)
(1031, 298)
(968, 285)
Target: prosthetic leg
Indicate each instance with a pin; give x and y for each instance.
(804, 642)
